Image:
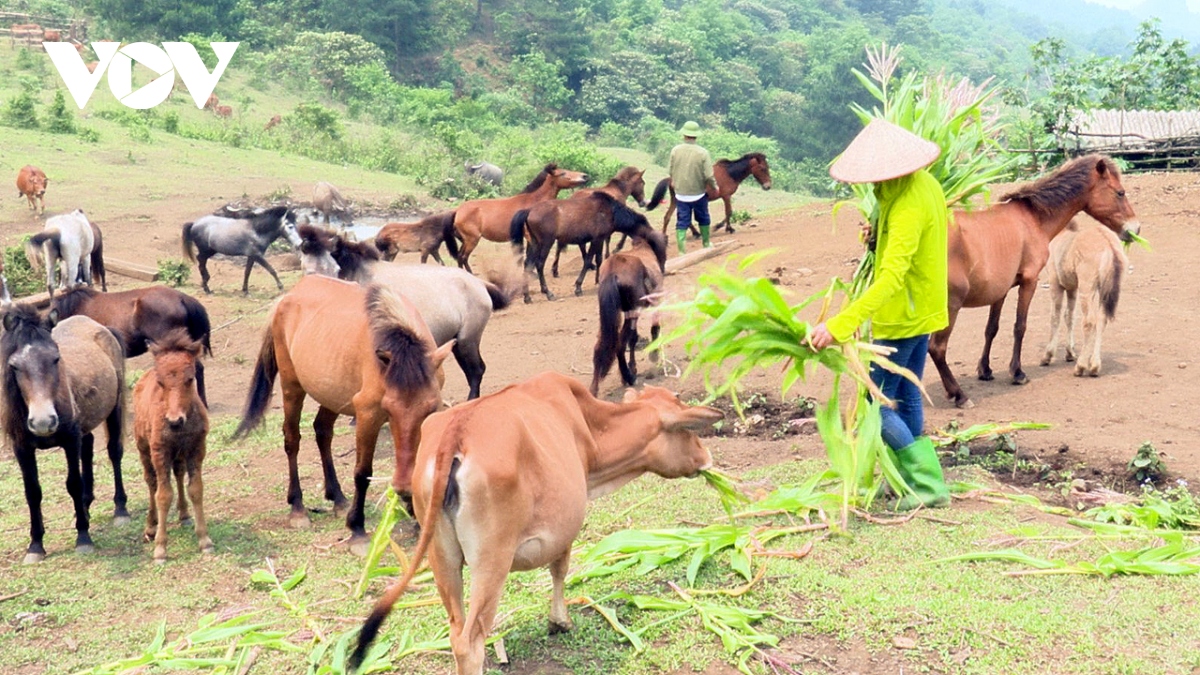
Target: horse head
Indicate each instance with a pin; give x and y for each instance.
(175, 357)
(1106, 200)
(316, 247)
(761, 170)
(32, 376)
(632, 183)
(563, 179)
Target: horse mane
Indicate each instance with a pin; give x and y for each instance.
(657, 243)
(177, 340)
(353, 256)
(540, 178)
(410, 367)
(625, 219)
(71, 302)
(1047, 195)
(23, 326)
(269, 218)
(314, 240)
(623, 177)
(739, 168)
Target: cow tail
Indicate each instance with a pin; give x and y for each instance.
(187, 242)
(660, 191)
(262, 383)
(443, 467)
(605, 353)
(35, 245)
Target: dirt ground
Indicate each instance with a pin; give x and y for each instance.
(1144, 393)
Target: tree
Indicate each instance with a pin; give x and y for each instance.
(169, 20)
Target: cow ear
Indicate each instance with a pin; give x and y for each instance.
(693, 419)
(441, 353)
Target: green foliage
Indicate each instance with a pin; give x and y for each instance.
(203, 46)
(540, 81)
(173, 272)
(314, 118)
(171, 122)
(22, 279)
(88, 135)
(21, 110)
(1147, 465)
(168, 20)
(59, 118)
(322, 61)
(1174, 508)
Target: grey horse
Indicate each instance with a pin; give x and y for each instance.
(248, 236)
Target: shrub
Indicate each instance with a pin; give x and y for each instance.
(173, 271)
(59, 119)
(317, 119)
(22, 280)
(171, 122)
(1147, 465)
(21, 110)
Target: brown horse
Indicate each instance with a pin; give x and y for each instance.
(424, 236)
(141, 316)
(729, 174)
(59, 386)
(1007, 245)
(357, 351)
(491, 218)
(629, 282)
(1085, 262)
(628, 182)
(170, 424)
(589, 221)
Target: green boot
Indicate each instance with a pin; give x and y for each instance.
(681, 239)
(705, 230)
(919, 465)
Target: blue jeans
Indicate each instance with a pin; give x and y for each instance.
(906, 421)
(684, 211)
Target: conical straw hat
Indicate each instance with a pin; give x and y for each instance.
(883, 151)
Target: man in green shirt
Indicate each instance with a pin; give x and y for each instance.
(907, 298)
(691, 171)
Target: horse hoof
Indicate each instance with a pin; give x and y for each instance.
(207, 548)
(578, 291)
(33, 558)
(186, 521)
(557, 628)
(964, 403)
(160, 561)
(359, 545)
(340, 508)
(299, 521)
(121, 521)
(85, 549)
(986, 377)
(1020, 378)
(1046, 360)
(528, 299)
(551, 297)
(1070, 358)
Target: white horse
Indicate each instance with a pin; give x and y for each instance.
(68, 238)
(1085, 262)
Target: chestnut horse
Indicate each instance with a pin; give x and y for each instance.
(1007, 245)
(490, 218)
(628, 182)
(141, 316)
(629, 282)
(357, 351)
(170, 424)
(425, 236)
(729, 174)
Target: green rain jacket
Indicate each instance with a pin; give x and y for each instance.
(909, 293)
(691, 169)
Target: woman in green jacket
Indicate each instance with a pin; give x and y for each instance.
(907, 300)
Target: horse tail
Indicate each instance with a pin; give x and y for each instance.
(444, 486)
(500, 297)
(450, 234)
(35, 245)
(187, 242)
(1111, 269)
(122, 341)
(660, 191)
(262, 383)
(196, 321)
(605, 353)
(98, 273)
(516, 231)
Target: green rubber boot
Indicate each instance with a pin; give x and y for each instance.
(705, 230)
(681, 239)
(919, 465)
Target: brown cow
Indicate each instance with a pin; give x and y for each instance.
(51, 35)
(273, 122)
(211, 103)
(502, 483)
(31, 182)
(223, 111)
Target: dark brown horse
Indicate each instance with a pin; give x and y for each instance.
(61, 384)
(629, 283)
(424, 236)
(357, 351)
(628, 182)
(170, 424)
(729, 174)
(142, 316)
(588, 221)
(491, 218)
(1007, 245)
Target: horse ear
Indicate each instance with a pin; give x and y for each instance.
(10, 321)
(52, 317)
(641, 173)
(1101, 166)
(441, 353)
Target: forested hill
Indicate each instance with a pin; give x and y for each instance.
(779, 70)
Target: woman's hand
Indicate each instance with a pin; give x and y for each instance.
(820, 337)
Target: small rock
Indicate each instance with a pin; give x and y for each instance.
(805, 272)
(579, 332)
(1182, 366)
(72, 645)
(902, 642)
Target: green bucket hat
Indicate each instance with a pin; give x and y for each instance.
(690, 129)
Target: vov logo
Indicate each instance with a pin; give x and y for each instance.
(172, 58)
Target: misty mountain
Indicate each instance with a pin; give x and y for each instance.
(1108, 30)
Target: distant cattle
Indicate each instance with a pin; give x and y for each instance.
(29, 33)
(502, 484)
(273, 122)
(31, 183)
(223, 111)
(211, 103)
(489, 173)
(329, 202)
(52, 36)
